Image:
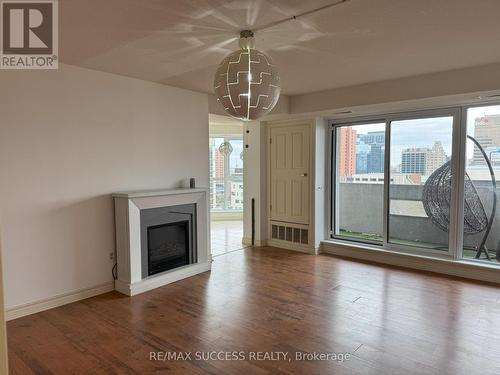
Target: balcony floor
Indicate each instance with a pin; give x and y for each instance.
(468, 253)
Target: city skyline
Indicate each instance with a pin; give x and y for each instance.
(408, 133)
(405, 134)
(431, 130)
(226, 191)
(423, 160)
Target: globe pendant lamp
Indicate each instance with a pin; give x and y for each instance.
(247, 83)
(225, 148)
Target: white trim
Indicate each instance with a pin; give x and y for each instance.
(308, 249)
(460, 268)
(157, 193)
(56, 301)
(226, 215)
(247, 241)
(144, 285)
(130, 280)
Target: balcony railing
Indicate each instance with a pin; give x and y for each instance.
(360, 216)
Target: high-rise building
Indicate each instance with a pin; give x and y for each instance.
(413, 160)
(362, 151)
(423, 160)
(219, 164)
(487, 133)
(435, 158)
(375, 162)
(374, 138)
(347, 152)
(370, 152)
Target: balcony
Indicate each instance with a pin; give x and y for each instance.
(360, 217)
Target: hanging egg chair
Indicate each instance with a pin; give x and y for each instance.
(436, 201)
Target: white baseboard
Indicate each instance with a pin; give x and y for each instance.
(56, 301)
(292, 246)
(226, 216)
(260, 243)
(247, 241)
(132, 289)
(465, 269)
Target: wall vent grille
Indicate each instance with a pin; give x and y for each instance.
(290, 234)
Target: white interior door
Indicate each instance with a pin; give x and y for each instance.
(290, 174)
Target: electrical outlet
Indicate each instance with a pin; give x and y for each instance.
(111, 256)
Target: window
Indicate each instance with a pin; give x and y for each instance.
(420, 182)
(226, 173)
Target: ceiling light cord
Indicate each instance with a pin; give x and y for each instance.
(306, 13)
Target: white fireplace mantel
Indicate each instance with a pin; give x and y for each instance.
(128, 206)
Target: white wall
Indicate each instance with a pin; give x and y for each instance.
(255, 181)
(320, 186)
(68, 139)
(434, 86)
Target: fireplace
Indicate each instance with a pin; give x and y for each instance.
(168, 246)
(161, 236)
(168, 238)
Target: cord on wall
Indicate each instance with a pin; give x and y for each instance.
(253, 221)
(114, 271)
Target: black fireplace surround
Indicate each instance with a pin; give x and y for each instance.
(168, 238)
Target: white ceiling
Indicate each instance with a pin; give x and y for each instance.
(181, 42)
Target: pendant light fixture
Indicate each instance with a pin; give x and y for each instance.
(225, 148)
(247, 83)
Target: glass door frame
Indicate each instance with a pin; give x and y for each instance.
(462, 170)
(455, 113)
(457, 167)
(335, 184)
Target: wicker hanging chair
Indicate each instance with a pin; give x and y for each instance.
(436, 200)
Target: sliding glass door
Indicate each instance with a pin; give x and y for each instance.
(394, 181)
(420, 182)
(359, 181)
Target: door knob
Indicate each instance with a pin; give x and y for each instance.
(303, 175)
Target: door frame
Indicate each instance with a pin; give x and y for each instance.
(333, 126)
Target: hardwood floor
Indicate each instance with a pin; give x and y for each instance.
(392, 321)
